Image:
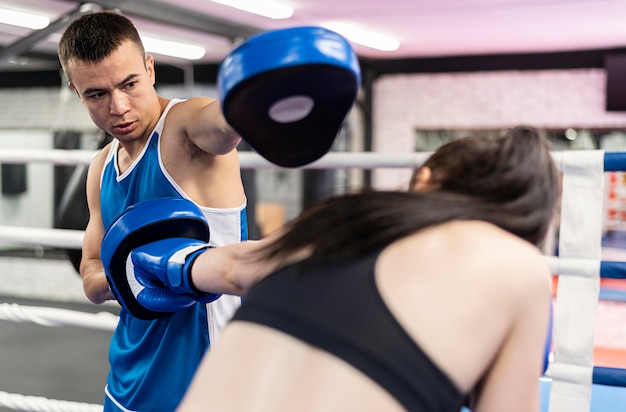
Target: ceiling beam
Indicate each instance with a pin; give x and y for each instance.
(24, 44)
(173, 15)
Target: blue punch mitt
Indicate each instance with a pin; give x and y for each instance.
(287, 92)
(147, 254)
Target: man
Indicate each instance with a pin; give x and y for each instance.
(162, 149)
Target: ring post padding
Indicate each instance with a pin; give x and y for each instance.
(585, 267)
(615, 161)
(613, 270)
(577, 298)
(609, 376)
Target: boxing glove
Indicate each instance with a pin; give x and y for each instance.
(162, 273)
(140, 225)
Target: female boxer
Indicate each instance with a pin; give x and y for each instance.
(384, 301)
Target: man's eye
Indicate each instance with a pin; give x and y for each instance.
(96, 95)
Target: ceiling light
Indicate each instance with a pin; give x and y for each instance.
(21, 19)
(364, 37)
(172, 48)
(266, 8)
(571, 134)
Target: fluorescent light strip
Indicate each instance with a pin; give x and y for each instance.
(364, 37)
(265, 8)
(21, 19)
(152, 45)
(172, 48)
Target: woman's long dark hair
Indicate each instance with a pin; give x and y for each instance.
(510, 181)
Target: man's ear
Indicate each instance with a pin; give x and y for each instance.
(71, 86)
(149, 63)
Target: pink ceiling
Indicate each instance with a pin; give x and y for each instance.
(425, 28)
(459, 27)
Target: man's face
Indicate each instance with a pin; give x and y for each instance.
(118, 92)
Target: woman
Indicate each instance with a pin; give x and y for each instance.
(419, 301)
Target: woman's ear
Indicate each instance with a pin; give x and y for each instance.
(422, 180)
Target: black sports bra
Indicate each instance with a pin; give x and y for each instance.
(337, 307)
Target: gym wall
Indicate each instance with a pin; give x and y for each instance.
(483, 100)
(402, 103)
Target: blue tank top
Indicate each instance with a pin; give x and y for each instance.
(153, 361)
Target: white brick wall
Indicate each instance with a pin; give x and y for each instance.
(32, 208)
(43, 108)
(483, 100)
(402, 104)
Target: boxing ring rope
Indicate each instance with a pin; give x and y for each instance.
(613, 161)
(73, 239)
(55, 238)
(248, 160)
(54, 317)
(40, 404)
(567, 266)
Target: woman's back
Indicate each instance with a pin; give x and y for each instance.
(462, 291)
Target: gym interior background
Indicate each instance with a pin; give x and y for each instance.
(406, 104)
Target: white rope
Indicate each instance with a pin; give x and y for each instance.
(54, 156)
(57, 317)
(39, 404)
(248, 160)
(338, 160)
(60, 238)
(72, 239)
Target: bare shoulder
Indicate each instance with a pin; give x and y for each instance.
(489, 237)
(179, 118)
(186, 109)
(191, 103)
(486, 235)
(97, 163)
(102, 154)
(198, 124)
(94, 173)
(513, 260)
(492, 253)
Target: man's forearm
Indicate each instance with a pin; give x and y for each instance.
(95, 284)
